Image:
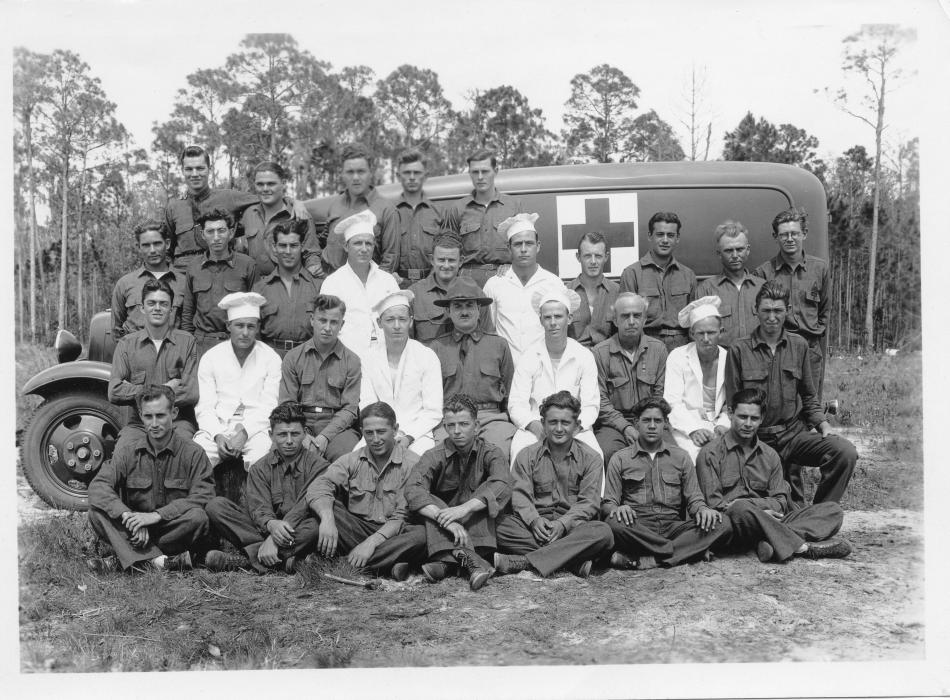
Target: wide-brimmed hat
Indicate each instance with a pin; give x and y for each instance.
(463, 289)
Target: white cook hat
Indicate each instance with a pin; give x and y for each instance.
(242, 305)
(696, 311)
(519, 223)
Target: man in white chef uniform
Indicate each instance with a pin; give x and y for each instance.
(403, 373)
(552, 364)
(238, 381)
(695, 378)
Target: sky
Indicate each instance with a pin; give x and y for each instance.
(761, 56)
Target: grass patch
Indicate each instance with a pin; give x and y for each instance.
(30, 359)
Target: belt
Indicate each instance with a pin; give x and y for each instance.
(477, 266)
(812, 338)
(413, 274)
(488, 406)
(318, 409)
(219, 336)
(774, 429)
(186, 253)
(279, 344)
(667, 331)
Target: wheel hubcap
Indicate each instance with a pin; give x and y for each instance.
(76, 447)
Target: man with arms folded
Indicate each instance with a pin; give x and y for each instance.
(666, 284)
(237, 387)
(460, 487)
(157, 354)
(418, 219)
(359, 282)
(431, 319)
(779, 363)
(405, 374)
(147, 502)
(515, 319)
(649, 485)
(741, 477)
(369, 527)
(735, 285)
(127, 315)
(555, 499)
(631, 366)
(591, 323)
(475, 363)
(324, 376)
(273, 530)
(555, 363)
(695, 379)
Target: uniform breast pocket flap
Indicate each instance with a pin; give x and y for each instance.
(234, 285)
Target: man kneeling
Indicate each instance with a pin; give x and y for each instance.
(648, 486)
(274, 529)
(555, 499)
(742, 478)
(370, 529)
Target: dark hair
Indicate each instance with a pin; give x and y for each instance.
(380, 409)
(483, 154)
(328, 302)
(789, 215)
(356, 150)
(194, 152)
(651, 402)
(447, 239)
(774, 290)
(215, 215)
(460, 402)
(157, 285)
(153, 392)
(411, 155)
(594, 237)
(285, 228)
(561, 399)
(270, 166)
(665, 217)
(150, 225)
(288, 412)
(756, 396)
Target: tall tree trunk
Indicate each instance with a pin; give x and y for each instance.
(21, 302)
(872, 251)
(64, 241)
(28, 133)
(80, 307)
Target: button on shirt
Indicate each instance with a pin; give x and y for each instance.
(286, 315)
(667, 290)
(592, 327)
(478, 226)
(277, 487)
(431, 321)
(659, 486)
(260, 243)
(809, 285)
(360, 323)
(567, 490)
(207, 283)
(536, 378)
(136, 364)
(477, 364)
(374, 494)
(728, 471)
(170, 480)
(225, 386)
(127, 314)
(417, 226)
(328, 382)
(738, 305)
(515, 319)
(414, 391)
(785, 377)
(623, 380)
(180, 216)
(387, 239)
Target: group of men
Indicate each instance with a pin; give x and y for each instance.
(409, 387)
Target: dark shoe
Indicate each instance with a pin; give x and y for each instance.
(478, 570)
(509, 563)
(400, 571)
(830, 549)
(435, 571)
(178, 562)
(103, 565)
(764, 551)
(582, 570)
(619, 560)
(216, 560)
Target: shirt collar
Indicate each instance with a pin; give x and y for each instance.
(401, 200)
(721, 279)
(433, 283)
(450, 449)
(758, 340)
(778, 263)
(146, 339)
(613, 345)
(648, 259)
(172, 446)
(664, 448)
(395, 457)
(476, 334)
(732, 443)
(496, 196)
(369, 197)
(229, 260)
(576, 283)
(574, 452)
(302, 272)
(311, 346)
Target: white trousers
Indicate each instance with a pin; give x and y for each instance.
(256, 447)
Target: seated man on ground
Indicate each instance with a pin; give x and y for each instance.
(555, 500)
(271, 530)
(649, 485)
(369, 526)
(742, 478)
(147, 502)
(459, 488)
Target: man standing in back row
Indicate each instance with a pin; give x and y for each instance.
(418, 219)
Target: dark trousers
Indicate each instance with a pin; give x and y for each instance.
(236, 526)
(340, 445)
(586, 540)
(408, 546)
(187, 532)
(481, 531)
(750, 524)
(670, 540)
(203, 342)
(834, 456)
(670, 341)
